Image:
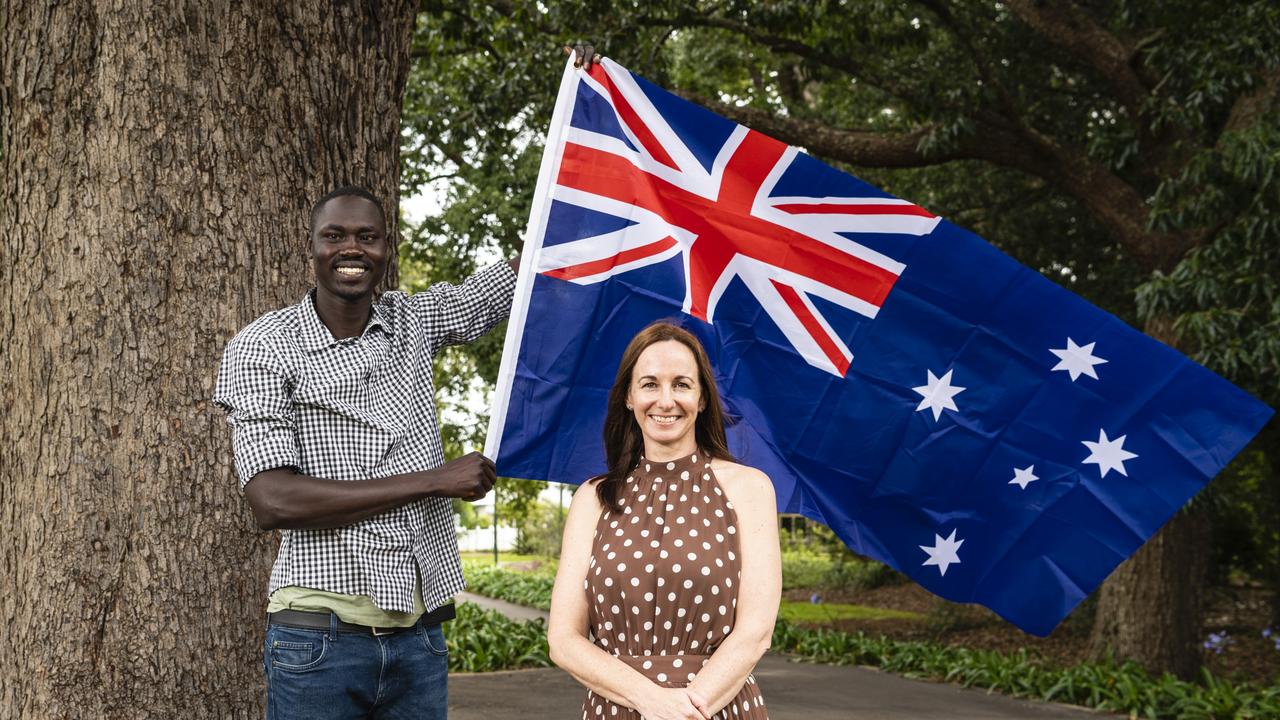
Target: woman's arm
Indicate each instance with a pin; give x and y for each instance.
(603, 673)
(759, 588)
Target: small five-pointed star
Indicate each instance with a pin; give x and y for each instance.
(1022, 477)
(938, 394)
(943, 552)
(1107, 454)
(1077, 359)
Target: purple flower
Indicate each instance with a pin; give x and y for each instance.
(1266, 632)
(815, 599)
(1217, 642)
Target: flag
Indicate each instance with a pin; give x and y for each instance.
(942, 408)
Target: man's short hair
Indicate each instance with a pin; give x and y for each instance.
(345, 190)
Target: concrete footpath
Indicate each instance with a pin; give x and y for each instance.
(792, 690)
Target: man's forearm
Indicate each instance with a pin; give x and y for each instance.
(285, 499)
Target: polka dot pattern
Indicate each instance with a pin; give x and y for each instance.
(666, 607)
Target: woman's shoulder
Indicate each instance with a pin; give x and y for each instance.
(736, 476)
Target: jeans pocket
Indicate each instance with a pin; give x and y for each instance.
(433, 639)
(297, 650)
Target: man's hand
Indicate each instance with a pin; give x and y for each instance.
(469, 477)
(584, 54)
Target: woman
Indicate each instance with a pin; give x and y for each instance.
(669, 574)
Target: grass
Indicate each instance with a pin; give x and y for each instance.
(805, 612)
(485, 557)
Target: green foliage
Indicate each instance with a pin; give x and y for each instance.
(844, 572)
(485, 640)
(529, 589)
(823, 612)
(1105, 685)
(468, 517)
(542, 529)
(517, 500)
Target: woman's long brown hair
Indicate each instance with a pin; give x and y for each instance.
(623, 441)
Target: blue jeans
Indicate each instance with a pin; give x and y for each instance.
(324, 674)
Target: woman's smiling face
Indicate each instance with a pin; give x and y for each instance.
(665, 398)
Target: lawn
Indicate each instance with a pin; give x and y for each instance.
(504, 558)
(816, 613)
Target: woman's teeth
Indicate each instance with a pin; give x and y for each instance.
(664, 419)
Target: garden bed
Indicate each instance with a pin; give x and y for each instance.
(1240, 612)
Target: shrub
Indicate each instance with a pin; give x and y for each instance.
(807, 568)
(1105, 685)
(531, 589)
(486, 640)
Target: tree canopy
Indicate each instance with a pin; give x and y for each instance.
(1108, 144)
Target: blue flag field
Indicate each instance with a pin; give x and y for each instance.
(941, 407)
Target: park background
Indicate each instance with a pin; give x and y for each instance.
(159, 160)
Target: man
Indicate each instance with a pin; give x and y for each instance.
(337, 445)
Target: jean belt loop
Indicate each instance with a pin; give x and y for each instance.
(333, 626)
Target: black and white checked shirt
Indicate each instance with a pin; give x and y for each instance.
(354, 409)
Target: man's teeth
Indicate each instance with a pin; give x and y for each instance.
(350, 271)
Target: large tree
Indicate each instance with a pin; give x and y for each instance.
(1111, 144)
(158, 160)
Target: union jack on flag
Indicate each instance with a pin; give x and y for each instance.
(723, 221)
(942, 408)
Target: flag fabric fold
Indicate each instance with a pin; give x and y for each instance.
(941, 407)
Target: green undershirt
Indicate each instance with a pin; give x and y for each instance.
(356, 609)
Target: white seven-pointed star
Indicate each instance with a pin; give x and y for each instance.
(938, 394)
(943, 552)
(1077, 359)
(1022, 477)
(1107, 454)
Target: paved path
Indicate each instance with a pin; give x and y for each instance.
(793, 691)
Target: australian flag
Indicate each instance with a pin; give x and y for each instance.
(941, 407)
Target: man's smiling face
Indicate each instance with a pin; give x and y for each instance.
(349, 247)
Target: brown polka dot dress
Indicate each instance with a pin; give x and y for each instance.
(662, 585)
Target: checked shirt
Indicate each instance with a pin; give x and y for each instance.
(355, 409)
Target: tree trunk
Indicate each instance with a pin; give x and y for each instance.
(1150, 610)
(159, 160)
(1272, 450)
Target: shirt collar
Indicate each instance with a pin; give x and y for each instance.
(316, 336)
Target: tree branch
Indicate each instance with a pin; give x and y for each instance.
(1118, 206)
(777, 43)
(856, 147)
(1067, 26)
(1248, 109)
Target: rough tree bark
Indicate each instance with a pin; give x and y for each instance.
(1147, 609)
(158, 162)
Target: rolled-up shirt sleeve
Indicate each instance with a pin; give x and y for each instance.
(457, 314)
(254, 390)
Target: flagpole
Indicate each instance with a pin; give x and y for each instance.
(538, 213)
